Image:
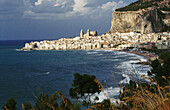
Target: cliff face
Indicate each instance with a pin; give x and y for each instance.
(144, 21)
(166, 19)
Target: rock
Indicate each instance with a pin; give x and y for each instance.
(144, 21)
(166, 19)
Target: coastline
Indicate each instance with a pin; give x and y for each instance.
(148, 55)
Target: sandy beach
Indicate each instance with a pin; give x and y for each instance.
(148, 55)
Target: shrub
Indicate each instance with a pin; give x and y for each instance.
(84, 86)
(10, 105)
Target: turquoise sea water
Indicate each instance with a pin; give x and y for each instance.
(25, 74)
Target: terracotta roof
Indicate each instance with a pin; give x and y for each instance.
(104, 43)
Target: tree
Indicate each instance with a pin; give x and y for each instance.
(84, 86)
(44, 102)
(161, 71)
(10, 105)
(28, 106)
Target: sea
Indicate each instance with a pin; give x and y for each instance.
(26, 74)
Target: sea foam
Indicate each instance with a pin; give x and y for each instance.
(130, 70)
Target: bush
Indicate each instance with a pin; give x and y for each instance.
(165, 29)
(141, 5)
(84, 87)
(10, 105)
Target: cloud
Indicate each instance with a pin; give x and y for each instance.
(13, 8)
(39, 2)
(83, 7)
(93, 9)
(58, 9)
(41, 16)
(61, 3)
(52, 6)
(110, 6)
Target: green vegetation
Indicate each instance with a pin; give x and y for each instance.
(152, 95)
(165, 8)
(137, 5)
(11, 104)
(165, 29)
(28, 106)
(84, 87)
(43, 101)
(141, 5)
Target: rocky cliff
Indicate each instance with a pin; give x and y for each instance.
(147, 20)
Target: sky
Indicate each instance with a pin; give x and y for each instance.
(54, 19)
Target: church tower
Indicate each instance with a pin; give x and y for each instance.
(88, 33)
(81, 34)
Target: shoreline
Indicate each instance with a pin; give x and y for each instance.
(148, 55)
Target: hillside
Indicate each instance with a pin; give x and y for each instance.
(149, 20)
(142, 16)
(142, 4)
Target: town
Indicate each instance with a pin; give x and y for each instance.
(113, 41)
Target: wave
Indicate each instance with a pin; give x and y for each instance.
(92, 52)
(44, 73)
(130, 70)
(108, 50)
(134, 71)
(18, 50)
(108, 93)
(125, 80)
(100, 54)
(47, 72)
(112, 59)
(22, 50)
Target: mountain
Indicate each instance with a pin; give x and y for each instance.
(143, 16)
(142, 4)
